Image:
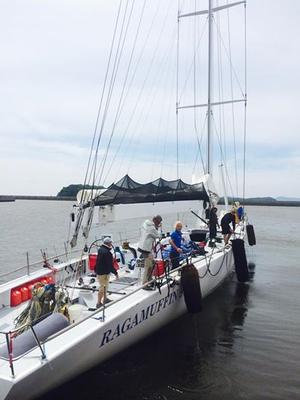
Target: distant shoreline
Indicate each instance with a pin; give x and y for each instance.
(248, 202)
(25, 197)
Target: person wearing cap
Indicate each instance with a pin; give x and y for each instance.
(104, 266)
(149, 233)
(228, 219)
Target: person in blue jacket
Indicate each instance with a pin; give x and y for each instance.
(175, 242)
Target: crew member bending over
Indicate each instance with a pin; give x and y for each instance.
(228, 219)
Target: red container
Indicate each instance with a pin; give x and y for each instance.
(50, 279)
(15, 297)
(116, 264)
(159, 268)
(24, 293)
(92, 261)
(30, 287)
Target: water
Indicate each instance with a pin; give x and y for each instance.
(244, 345)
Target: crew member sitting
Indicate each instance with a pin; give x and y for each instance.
(175, 242)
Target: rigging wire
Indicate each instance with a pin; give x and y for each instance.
(167, 79)
(102, 94)
(149, 104)
(93, 170)
(114, 74)
(125, 131)
(221, 95)
(195, 92)
(199, 143)
(177, 88)
(232, 109)
(121, 103)
(192, 63)
(245, 114)
(221, 151)
(81, 210)
(230, 62)
(232, 104)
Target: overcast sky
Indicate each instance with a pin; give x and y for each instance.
(53, 56)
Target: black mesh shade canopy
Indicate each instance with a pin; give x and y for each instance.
(127, 191)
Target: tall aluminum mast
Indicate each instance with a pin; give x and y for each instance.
(209, 137)
(209, 105)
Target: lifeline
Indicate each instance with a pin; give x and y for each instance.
(139, 317)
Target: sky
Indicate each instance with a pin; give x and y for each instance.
(53, 57)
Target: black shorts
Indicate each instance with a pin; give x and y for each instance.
(226, 229)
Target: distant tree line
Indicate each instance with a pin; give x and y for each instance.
(261, 201)
(72, 190)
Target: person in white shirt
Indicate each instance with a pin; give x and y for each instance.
(149, 233)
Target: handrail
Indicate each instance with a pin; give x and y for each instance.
(36, 263)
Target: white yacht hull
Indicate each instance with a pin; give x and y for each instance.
(93, 340)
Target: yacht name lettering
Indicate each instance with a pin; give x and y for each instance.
(138, 318)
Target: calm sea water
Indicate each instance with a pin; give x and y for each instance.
(244, 345)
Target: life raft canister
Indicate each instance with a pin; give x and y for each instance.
(240, 260)
(250, 235)
(190, 282)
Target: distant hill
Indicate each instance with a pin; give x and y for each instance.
(263, 201)
(72, 190)
(282, 198)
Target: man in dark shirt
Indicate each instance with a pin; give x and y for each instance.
(225, 224)
(104, 266)
(213, 223)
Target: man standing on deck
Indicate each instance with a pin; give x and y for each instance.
(213, 223)
(104, 266)
(149, 233)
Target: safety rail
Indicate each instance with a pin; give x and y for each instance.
(33, 267)
(10, 336)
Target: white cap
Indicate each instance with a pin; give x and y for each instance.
(107, 240)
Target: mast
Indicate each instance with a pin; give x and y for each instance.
(209, 105)
(209, 138)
